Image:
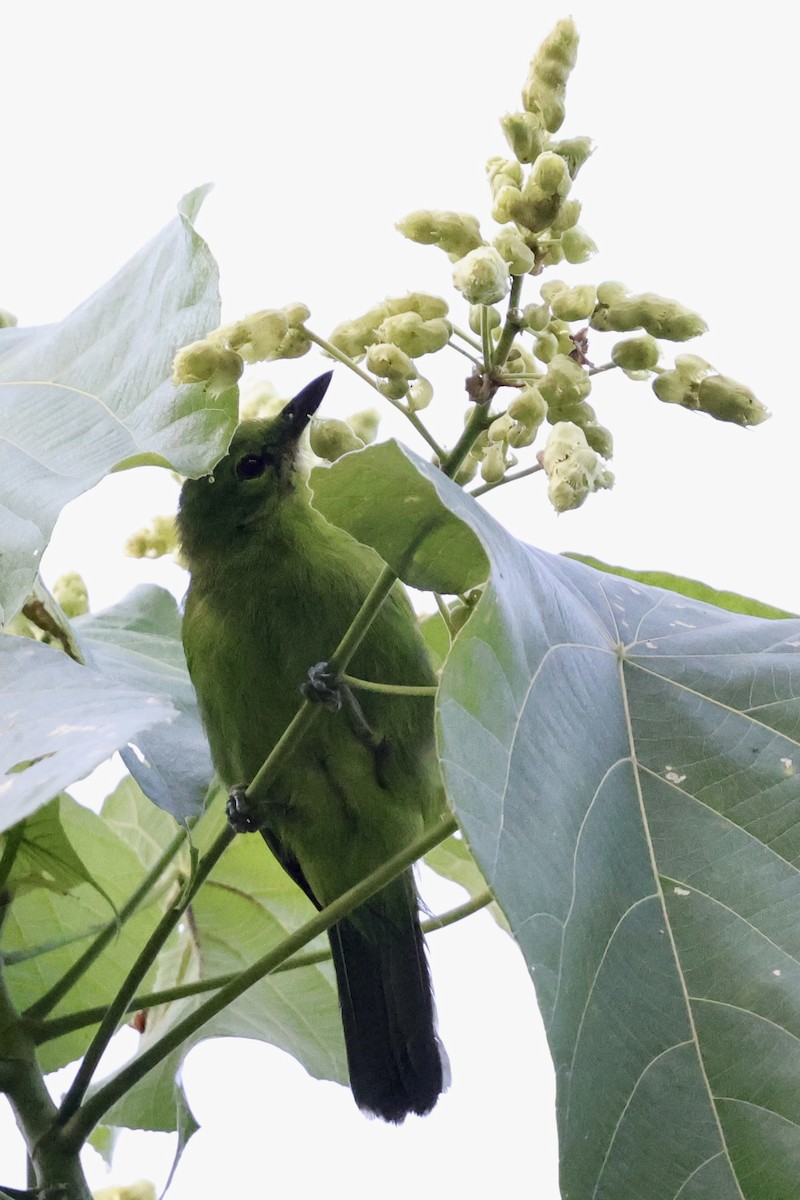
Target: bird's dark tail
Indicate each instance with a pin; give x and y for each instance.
(397, 1063)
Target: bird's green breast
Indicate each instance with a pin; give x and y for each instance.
(252, 629)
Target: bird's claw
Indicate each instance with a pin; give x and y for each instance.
(321, 687)
(238, 812)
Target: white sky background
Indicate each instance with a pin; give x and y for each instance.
(322, 124)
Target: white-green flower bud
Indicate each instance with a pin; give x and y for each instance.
(669, 319)
(295, 344)
(659, 316)
(7, 319)
(521, 435)
(565, 383)
(553, 287)
(546, 346)
(551, 256)
(577, 246)
(550, 173)
(536, 317)
(504, 172)
(562, 441)
(611, 292)
(671, 389)
(574, 151)
(429, 307)
(257, 336)
(580, 414)
(573, 469)
(636, 354)
(726, 400)
(413, 335)
(70, 592)
(455, 233)
(494, 464)
(538, 204)
(599, 438)
(207, 363)
(390, 362)
(155, 540)
(500, 428)
(394, 388)
(525, 135)
(682, 385)
(482, 276)
(519, 362)
(495, 320)
(575, 303)
(511, 247)
(528, 407)
(330, 438)
(567, 216)
(564, 338)
(466, 471)
(296, 314)
(545, 86)
(364, 424)
(353, 337)
(507, 203)
(420, 394)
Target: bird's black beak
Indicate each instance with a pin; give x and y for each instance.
(299, 411)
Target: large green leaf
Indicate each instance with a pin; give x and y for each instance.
(138, 642)
(79, 398)
(248, 905)
(624, 762)
(358, 492)
(690, 587)
(59, 721)
(46, 927)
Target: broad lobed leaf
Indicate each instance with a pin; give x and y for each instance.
(59, 721)
(92, 392)
(624, 762)
(248, 905)
(139, 641)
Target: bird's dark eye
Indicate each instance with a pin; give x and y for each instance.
(251, 466)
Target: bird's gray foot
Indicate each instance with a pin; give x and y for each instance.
(238, 812)
(321, 687)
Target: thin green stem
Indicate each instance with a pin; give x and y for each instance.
(58, 1026)
(341, 357)
(468, 338)
(511, 328)
(388, 689)
(477, 362)
(610, 366)
(421, 429)
(347, 361)
(77, 1129)
(444, 613)
(147, 956)
(473, 905)
(506, 379)
(46, 1003)
(489, 487)
(486, 338)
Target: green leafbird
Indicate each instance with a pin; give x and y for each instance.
(273, 589)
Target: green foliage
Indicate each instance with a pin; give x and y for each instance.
(110, 405)
(622, 759)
